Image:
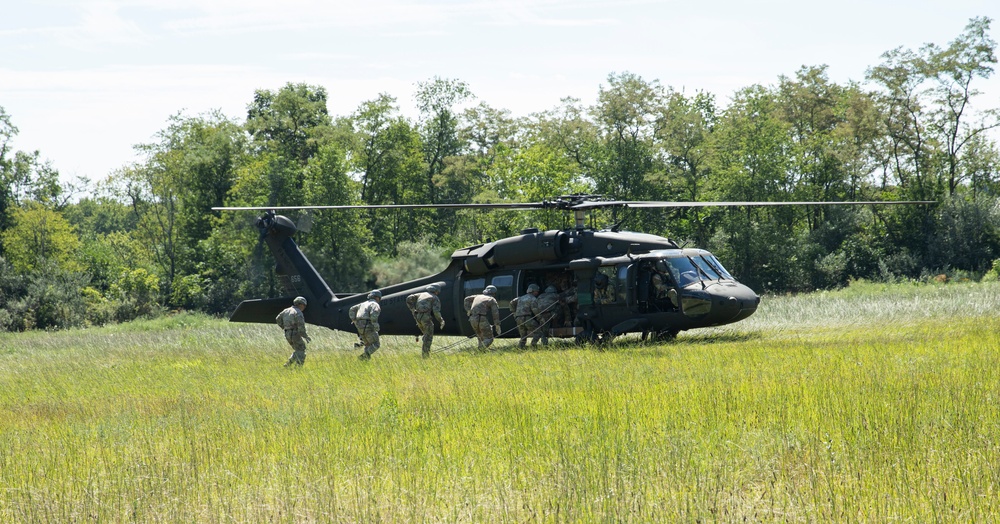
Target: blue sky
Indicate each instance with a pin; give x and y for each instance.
(84, 81)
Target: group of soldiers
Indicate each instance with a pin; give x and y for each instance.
(363, 315)
(535, 312)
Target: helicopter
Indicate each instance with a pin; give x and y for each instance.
(611, 282)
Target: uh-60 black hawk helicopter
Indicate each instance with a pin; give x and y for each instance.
(611, 282)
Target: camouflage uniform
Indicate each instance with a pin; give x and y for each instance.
(604, 293)
(548, 306)
(479, 308)
(569, 301)
(293, 322)
(426, 309)
(663, 290)
(367, 324)
(526, 310)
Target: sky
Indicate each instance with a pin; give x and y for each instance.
(85, 81)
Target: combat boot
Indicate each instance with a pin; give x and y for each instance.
(365, 356)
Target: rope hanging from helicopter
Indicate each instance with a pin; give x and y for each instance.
(471, 337)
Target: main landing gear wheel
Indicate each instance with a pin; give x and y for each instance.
(666, 335)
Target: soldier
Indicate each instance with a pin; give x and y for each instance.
(525, 310)
(569, 301)
(293, 322)
(548, 304)
(603, 293)
(366, 321)
(663, 289)
(426, 309)
(479, 307)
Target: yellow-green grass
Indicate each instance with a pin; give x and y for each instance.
(870, 404)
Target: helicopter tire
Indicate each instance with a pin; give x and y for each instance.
(666, 335)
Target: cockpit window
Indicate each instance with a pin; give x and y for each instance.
(683, 270)
(718, 267)
(707, 269)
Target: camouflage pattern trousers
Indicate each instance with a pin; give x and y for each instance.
(368, 332)
(294, 339)
(483, 329)
(544, 323)
(425, 321)
(526, 326)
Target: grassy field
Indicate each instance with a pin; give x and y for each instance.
(873, 404)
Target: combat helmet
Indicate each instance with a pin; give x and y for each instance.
(550, 289)
(374, 294)
(433, 288)
(490, 290)
(533, 287)
(300, 301)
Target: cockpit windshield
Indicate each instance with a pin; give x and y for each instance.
(688, 270)
(706, 268)
(683, 270)
(718, 266)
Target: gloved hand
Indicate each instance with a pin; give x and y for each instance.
(442, 325)
(496, 329)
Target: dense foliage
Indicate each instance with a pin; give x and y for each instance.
(145, 238)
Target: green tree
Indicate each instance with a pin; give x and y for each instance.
(753, 160)
(684, 139)
(389, 161)
(338, 241)
(39, 235)
(23, 176)
(439, 125)
(627, 115)
(291, 122)
(192, 169)
(951, 73)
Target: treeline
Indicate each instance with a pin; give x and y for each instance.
(145, 238)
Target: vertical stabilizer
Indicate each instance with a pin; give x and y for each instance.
(296, 274)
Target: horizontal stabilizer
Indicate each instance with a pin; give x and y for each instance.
(261, 311)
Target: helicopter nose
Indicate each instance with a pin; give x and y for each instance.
(734, 302)
(746, 302)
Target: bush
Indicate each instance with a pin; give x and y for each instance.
(136, 292)
(47, 297)
(993, 274)
(189, 292)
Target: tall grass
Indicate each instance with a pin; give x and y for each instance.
(871, 404)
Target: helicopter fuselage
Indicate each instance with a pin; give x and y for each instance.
(610, 283)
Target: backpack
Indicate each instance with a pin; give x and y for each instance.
(353, 312)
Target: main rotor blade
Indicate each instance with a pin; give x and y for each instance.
(580, 206)
(637, 204)
(525, 205)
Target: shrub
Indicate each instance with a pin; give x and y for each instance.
(993, 274)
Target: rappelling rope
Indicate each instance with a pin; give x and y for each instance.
(473, 337)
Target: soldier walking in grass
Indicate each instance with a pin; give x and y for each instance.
(480, 308)
(525, 309)
(548, 303)
(293, 322)
(426, 309)
(366, 320)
